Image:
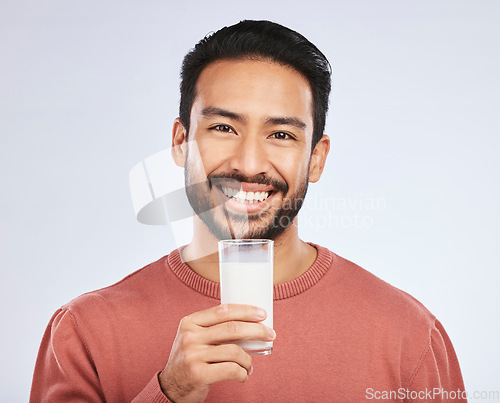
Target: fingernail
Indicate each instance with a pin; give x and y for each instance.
(261, 314)
(251, 370)
(271, 332)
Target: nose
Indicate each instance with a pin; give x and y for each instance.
(250, 156)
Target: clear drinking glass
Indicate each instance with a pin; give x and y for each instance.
(246, 277)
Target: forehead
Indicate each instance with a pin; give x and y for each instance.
(254, 88)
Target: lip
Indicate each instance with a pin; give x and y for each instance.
(246, 187)
(251, 208)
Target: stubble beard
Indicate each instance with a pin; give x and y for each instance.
(231, 225)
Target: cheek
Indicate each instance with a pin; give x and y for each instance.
(195, 163)
(208, 161)
(293, 168)
(207, 155)
(215, 154)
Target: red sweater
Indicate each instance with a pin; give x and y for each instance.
(342, 334)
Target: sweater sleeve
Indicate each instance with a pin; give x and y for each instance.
(65, 370)
(152, 393)
(438, 372)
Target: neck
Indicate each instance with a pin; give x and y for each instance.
(292, 256)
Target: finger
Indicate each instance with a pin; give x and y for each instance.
(235, 330)
(228, 353)
(228, 312)
(225, 371)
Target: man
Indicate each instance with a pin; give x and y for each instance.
(254, 98)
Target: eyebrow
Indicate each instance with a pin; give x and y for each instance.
(287, 120)
(213, 111)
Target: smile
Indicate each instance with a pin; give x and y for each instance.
(245, 197)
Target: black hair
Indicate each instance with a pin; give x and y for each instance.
(259, 40)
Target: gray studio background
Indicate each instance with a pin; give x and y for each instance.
(88, 89)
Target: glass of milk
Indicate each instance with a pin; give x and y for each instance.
(246, 277)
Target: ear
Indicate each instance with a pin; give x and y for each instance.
(318, 158)
(179, 138)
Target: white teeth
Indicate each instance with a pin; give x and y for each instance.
(245, 197)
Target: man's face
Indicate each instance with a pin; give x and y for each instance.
(252, 124)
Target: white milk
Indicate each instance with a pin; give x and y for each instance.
(251, 284)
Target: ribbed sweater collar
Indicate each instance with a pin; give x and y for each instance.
(281, 291)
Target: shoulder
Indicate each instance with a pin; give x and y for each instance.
(133, 290)
(386, 318)
(376, 302)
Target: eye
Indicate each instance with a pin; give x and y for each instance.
(223, 128)
(282, 136)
